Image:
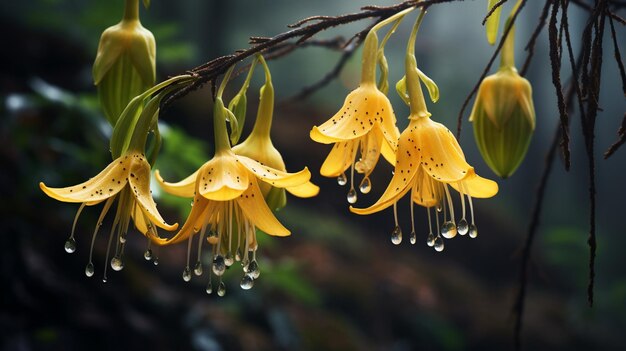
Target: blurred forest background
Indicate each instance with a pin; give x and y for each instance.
(337, 283)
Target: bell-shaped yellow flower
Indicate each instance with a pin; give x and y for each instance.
(228, 202)
(125, 64)
(365, 124)
(428, 159)
(259, 147)
(127, 180)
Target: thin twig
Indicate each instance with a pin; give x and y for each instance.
(530, 47)
(493, 9)
(621, 133)
(618, 56)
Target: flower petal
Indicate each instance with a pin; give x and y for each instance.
(307, 189)
(101, 187)
(370, 151)
(200, 214)
(477, 186)
(139, 182)
(141, 224)
(362, 109)
(273, 176)
(441, 155)
(184, 188)
(339, 159)
(223, 178)
(426, 192)
(405, 170)
(256, 210)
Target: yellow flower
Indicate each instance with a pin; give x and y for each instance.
(365, 123)
(428, 160)
(126, 179)
(229, 204)
(125, 64)
(259, 147)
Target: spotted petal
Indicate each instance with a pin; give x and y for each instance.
(101, 187)
(139, 181)
(273, 176)
(339, 159)
(442, 157)
(184, 188)
(223, 178)
(256, 210)
(362, 109)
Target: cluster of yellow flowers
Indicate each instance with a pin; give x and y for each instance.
(235, 193)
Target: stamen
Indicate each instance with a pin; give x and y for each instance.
(187, 271)
(438, 244)
(89, 270)
(106, 258)
(450, 204)
(462, 226)
(70, 243)
(448, 229)
(430, 239)
(148, 253)
(473, 230)
(396, 234)
(198, 267)
(352, 193)
(413, 236)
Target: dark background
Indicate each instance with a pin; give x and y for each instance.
(337, 283)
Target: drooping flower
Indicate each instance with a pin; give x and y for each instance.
(259, 147)
(125, 64)
(504, 115)
(365, 124)
(229, 205)
(428, 160)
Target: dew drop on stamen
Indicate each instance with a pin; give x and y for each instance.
(365, 186)
(396, 235)
(413, 238)
(221, 289)
(238, 254)
(229, 260)
(156, 261)
(351, 196)
(70, 245)
(187, 274)
(148, 254)
(123, 239)
(209, 288)
(462, 226)
(473, 231)
(197, 269)
(219, 266)
(430, 240)
(246, 282)
(253, 269)
(117, 264)
(89, 270)
(448, 230)
(439, 244)
(342, 179)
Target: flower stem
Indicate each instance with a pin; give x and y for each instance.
(507, 56)
(263, 122)
(416, 96)
(131, 10)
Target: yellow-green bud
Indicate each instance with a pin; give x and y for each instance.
(125, 65)
(504, 120)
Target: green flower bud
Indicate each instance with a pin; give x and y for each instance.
(504, 120)
(125, 64)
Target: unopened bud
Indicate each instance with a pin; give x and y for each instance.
(504, 120)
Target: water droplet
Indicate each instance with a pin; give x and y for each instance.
(191, 203)
(439, 244)
(396, 235)
(156, 261)
(89, 270)
(365, 186)
(187, 274)
(104, 280)
(430, 240)
(219, 266)
(439, 207)
(462, 226)
(148, 255)
(342, 179)
(123, 239)
(351, 196)
(473, 231)
(221, 289)
(197, 269)
(413, 237)
(448, 230)
(253, 269)
(229, 260)
(117, 264)
(209, 288)
(70, 245)
(238, 254)
(246, 282)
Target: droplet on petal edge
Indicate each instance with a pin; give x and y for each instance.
(396, 235)
(462, 227)
(70, 245)
(246, 282)
(448, 230)
(342, 179)
(439, 244)
(473, 231)
(351, 196)
(89, 270)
